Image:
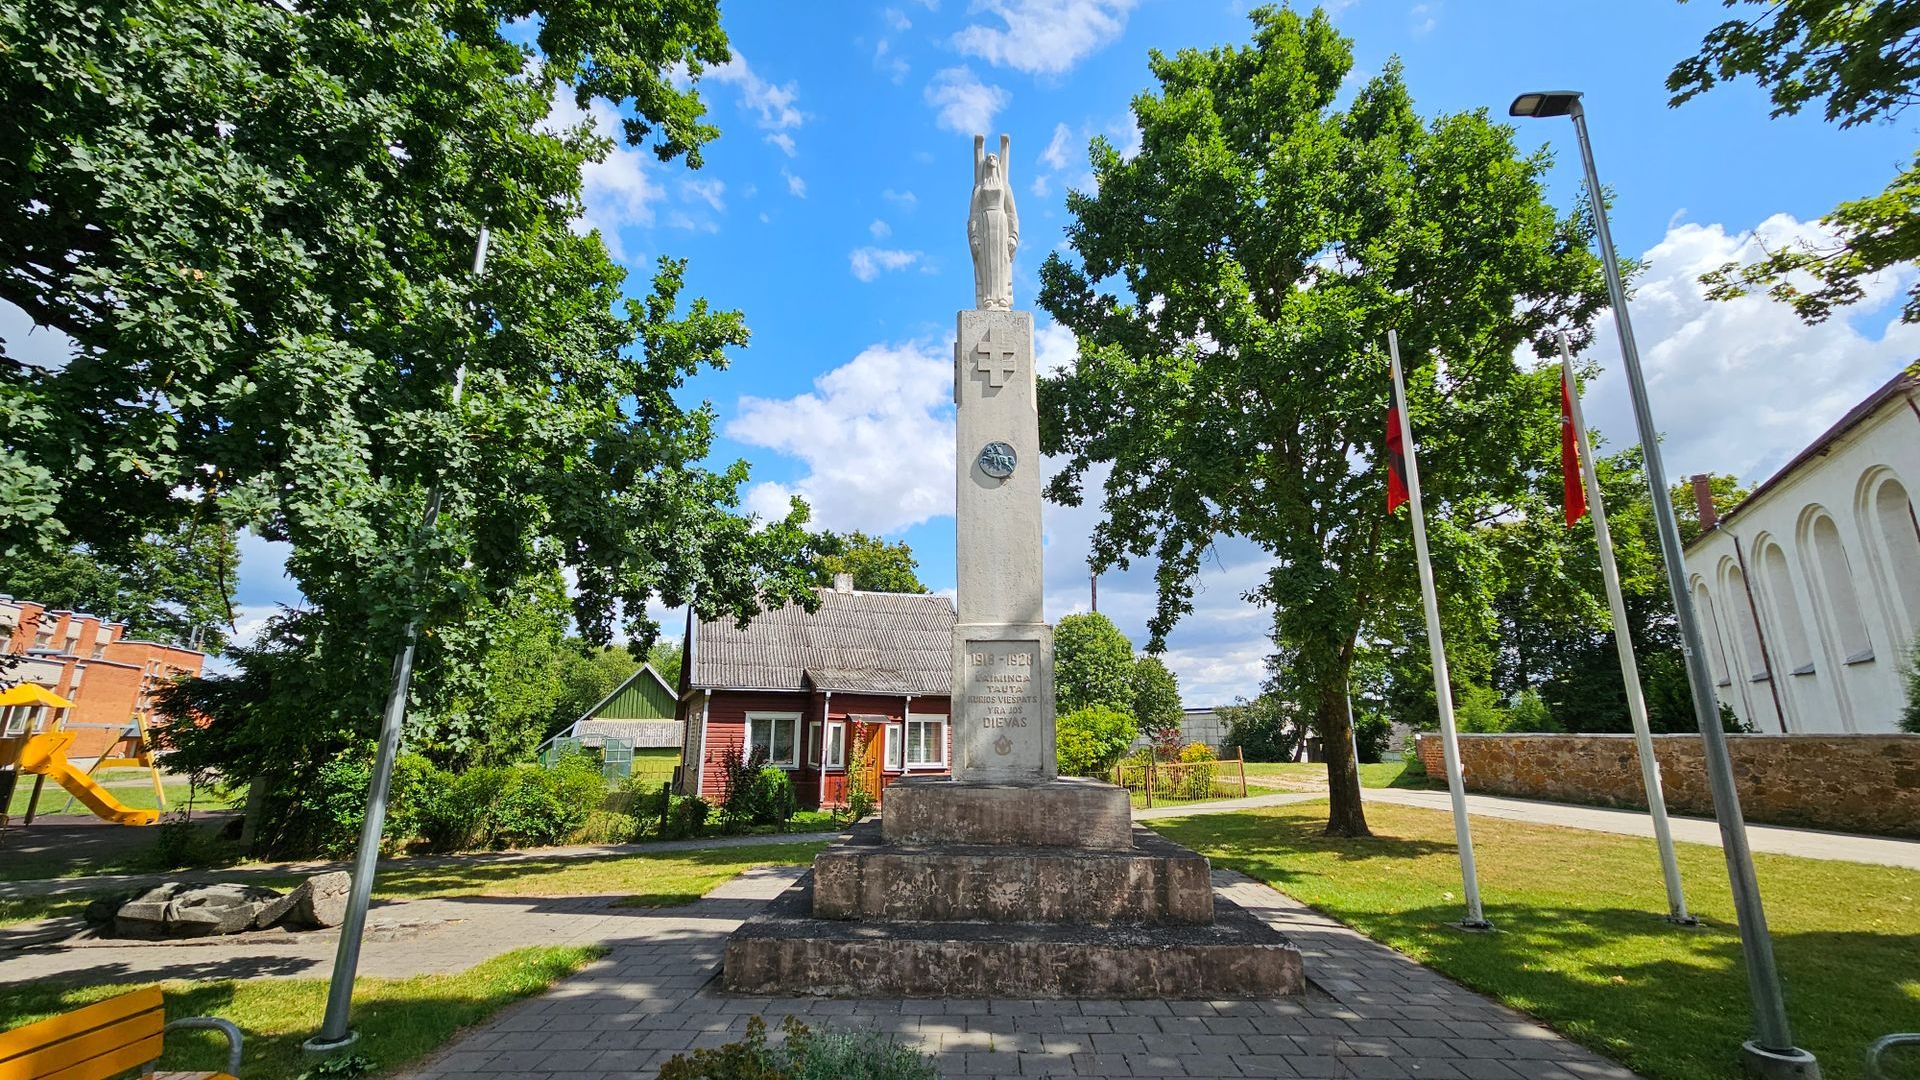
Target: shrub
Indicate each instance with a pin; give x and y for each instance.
(757, 794)
(805, 1055)
(538, 807)
(1089, 741)
(687, 817)
(456, 817)
(607, 827)
(1196, 780)
(1370, 735)
(1529, 712)
(1262, 729)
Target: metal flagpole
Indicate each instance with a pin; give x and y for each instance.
(1623, 640)
(334, 1032)
(1442, 684)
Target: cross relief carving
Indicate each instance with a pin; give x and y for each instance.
(998, 362)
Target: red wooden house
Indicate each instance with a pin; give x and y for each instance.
(863, 682)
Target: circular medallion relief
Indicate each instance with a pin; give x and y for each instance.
(997, 460)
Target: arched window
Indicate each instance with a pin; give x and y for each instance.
(1710, 626)
(1835, 572)
(1742, 614)
(1892, 511)
(1795, 653)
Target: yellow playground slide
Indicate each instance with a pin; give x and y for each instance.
(45, 754)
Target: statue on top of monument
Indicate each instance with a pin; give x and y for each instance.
(993, 227)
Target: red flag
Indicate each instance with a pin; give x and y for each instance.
(1396, 462)
(1570, 475)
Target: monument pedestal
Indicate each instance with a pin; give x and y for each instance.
(927, 906)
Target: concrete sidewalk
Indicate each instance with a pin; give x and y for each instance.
(1804, 843)
(1370, 1012)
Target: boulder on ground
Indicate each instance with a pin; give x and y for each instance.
(181, 909)
(320, 902)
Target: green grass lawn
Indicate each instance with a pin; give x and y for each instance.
(399, 1020)
(1580, 943)
(647, 880)
(1299, 773)
(27, 909)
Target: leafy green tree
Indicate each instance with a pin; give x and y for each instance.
(1234, 284)
(665, 656)
(1156, 702)
(1089, 741)
(1862, 60)
(1092, 664)
(257, 223)
(876, 565)
(1265, 729)
(174, 587)
(1727, 494)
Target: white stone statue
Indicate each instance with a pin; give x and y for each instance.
(993, 227)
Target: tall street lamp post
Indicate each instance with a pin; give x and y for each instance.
(1770, 1053)
(335, 1034)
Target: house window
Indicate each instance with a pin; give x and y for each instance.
(926, 741)
(836, 745)
(896, 743)
(776, 733)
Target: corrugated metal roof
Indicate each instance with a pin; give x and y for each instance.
(867, 642)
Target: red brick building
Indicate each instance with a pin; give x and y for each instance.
(109, 677)
(866, 678)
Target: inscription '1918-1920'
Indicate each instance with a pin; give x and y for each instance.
(1000, 687)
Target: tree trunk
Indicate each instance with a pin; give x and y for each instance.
(1345, 815)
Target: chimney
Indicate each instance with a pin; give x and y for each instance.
(843, 583)
(1703, 501)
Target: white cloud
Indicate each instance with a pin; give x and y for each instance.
(1043, 37)
(712, 192)
(782, 140)
(885, 60)
(618, 190)
(876, 435)
(772, 101)
(896, 19)
(880, 229)
(905, 199)
(1740, 386)
(1423, 18)
(965, 105)
(1054, 348)
(1055, 155)
(796, 186)
(870, 262)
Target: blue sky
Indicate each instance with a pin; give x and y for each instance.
(831, 211)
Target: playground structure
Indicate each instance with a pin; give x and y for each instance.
(34, 740)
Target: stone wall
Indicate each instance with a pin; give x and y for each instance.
(1853, 783)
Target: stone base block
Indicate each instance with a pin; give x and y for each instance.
(784, 951)
(1157, 881)
(1063, 813)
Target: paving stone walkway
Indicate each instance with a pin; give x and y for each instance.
(1370, 1013)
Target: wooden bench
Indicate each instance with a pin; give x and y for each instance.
(105, 1040)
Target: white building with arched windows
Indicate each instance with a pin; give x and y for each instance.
(1808, 592)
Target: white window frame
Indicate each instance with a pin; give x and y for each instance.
(938, 719)
(836, 740)
(895, 759)
(792, 719)
(835, 729)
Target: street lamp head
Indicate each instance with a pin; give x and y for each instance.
(1544, 103)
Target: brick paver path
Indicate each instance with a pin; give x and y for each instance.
(1371, 1013)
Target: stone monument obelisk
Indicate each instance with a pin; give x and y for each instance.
(1002, 646)
(1005, 880)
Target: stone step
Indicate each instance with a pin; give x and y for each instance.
(1157, 881)
(1068, 812)
(784, 951)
